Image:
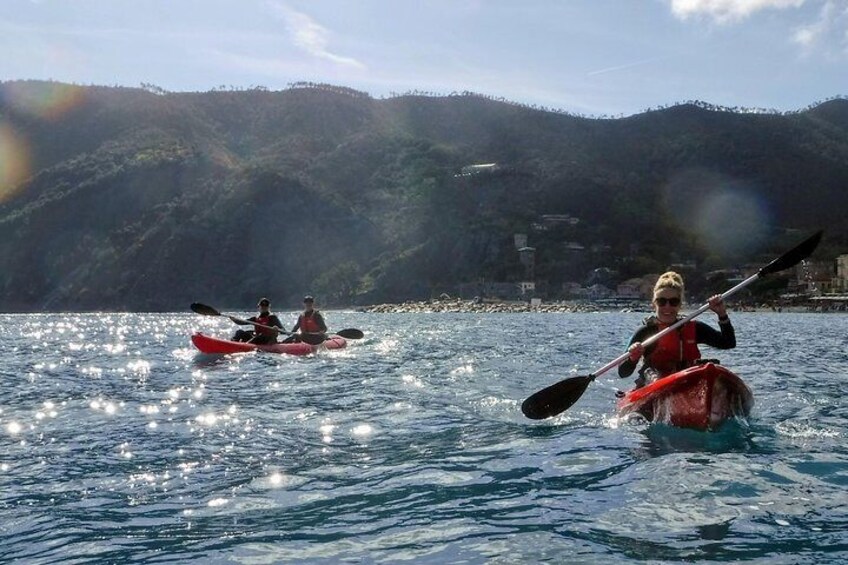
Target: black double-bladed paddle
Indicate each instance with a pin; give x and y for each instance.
(559, 397)
(316, 339)
(350, 333)
(311, 339)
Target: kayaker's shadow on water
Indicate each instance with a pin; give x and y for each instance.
(734, 436)
(210, 360)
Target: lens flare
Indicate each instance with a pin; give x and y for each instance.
(733, 223)
(14, 162)
(726, 215)
(45, 100)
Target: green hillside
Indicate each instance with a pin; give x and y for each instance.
(118, 198)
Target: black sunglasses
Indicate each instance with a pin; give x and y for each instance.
(662, 301)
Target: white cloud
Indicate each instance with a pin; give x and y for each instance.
(827, 35)
(727, 11)
(829, 30)
(310, 36)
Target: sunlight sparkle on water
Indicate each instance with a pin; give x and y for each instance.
(463, 370)
(386, 347)
(363, 430)
(115, 348)
(107, 406)
(48, 411)
(139, 367)
(209, 419)
(327, 430)
(434, 441)
(412, 380)
(805, 431)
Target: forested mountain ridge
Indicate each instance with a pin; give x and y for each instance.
(119, 198)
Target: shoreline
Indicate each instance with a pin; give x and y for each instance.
(457, 305)
(460, 306)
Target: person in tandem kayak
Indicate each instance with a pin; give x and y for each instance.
(310, 320)
(259, 335)
(676, 350)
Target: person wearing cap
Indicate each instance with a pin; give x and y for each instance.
(259, 334)
(310, 320)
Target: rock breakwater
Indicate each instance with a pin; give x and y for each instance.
(476, 306)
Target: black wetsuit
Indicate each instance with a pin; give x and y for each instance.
(724, 339)
(259, 337)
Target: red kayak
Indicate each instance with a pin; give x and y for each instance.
(700, 397)
(212, 345)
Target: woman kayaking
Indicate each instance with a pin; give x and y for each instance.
(678, 349)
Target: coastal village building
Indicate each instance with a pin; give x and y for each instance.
(640, 288)
(841, 282)
(629, 289)
(814, 278)
(821, 284)
(527, 257)
(825, 280)
(527, 288)
(520, 240)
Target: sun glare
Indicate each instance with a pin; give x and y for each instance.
(45, 100)
(728, 217)
(14, 162)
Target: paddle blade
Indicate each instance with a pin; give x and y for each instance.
(793, 256)
(350, 333)
(312, 339)
(204, 309)
(556, 398)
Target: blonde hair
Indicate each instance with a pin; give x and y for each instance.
(670, 280)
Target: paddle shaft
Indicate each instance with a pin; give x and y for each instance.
(246, 322)
(623, 357)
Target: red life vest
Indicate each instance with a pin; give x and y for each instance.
(676, 350)
(265, 321)
(308, 323)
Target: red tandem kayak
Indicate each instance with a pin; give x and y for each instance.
(212, 345)
(700, 397)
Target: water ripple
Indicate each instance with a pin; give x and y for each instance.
(119, 443)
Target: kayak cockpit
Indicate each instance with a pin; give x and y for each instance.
(700, 397)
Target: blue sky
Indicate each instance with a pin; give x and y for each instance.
(593, 57)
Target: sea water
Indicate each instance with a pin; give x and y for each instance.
(120, 443)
